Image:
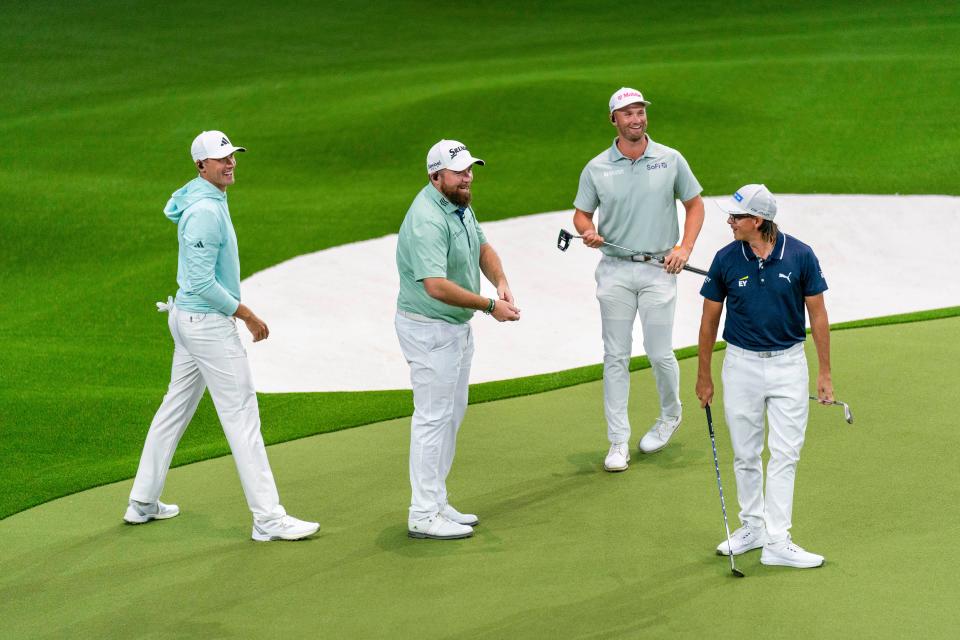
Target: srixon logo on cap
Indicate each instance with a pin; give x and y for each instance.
(456, 150)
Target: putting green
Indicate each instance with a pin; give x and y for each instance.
(564, 549)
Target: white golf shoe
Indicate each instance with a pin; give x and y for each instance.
(437, 527)
(659, 434)
(140, 512)
(617, 458)
(453, 515)
(744, 539)
(788, 554)
(285, 528)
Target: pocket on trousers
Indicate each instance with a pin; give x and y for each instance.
(232, 345)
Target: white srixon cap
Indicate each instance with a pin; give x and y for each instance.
(212, 144)
(624, 96)
(752, 200)
(450, 154)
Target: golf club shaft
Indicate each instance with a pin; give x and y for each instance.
(649, 257)
(723, 504)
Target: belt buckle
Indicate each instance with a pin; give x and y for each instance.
(765, 354)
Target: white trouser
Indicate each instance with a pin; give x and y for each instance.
(208, 354)
(439, 355)
(778, 385)
(624, 289)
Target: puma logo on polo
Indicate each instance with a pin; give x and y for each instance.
(786, 277)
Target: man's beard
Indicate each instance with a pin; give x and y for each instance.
(456, 196)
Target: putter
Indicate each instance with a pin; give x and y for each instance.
(847, 414)
(563, 243)
(723, 504)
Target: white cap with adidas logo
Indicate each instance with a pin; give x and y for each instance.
(212, 144)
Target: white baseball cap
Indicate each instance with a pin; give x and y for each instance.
(752, 200)
(624, 96)
(212, 144)
(450, 154)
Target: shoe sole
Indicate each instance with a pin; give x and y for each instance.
(616, 469)
(287, 538)
(784, 563)
(148, 518)
(426, 536)
(738, 553)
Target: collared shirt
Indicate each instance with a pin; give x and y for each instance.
(765, 298)
(437, 240)
(637, 198)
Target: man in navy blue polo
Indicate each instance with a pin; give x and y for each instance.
(766, 278)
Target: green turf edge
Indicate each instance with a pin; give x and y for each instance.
(347, 410)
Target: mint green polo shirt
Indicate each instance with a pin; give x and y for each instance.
(435, 243)
(637, 198)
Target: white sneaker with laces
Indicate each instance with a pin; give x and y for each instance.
(744, 539)
(617, 458)
(285, 528)
(437, 527)
(453, 515)
(659, 434)
(140, 512)
(789, 554)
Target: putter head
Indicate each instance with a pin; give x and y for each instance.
(563, 240)
(737, 573)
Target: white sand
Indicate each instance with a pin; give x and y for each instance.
(331, 312)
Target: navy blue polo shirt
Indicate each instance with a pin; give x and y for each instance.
(765, 298)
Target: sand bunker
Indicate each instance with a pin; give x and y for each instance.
(331, 312)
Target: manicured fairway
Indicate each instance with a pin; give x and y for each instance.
(564, 549)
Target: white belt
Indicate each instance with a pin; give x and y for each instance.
(410, 315)
(763, 354)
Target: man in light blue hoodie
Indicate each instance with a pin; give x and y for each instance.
(208, 352)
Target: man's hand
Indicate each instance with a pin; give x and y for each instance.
(504, 311)
(592, 239)
(676, 260)
(824, 388)
(504, 293)
(257, 327)
(705, 390)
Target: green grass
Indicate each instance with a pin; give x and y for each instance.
(338, 104)
(564, 550)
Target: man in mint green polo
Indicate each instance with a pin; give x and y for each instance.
(441, 251)
(634, 186)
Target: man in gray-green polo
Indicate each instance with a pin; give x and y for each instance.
(441, 251)
(634, 186)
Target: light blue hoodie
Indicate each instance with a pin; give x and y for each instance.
(209, 266)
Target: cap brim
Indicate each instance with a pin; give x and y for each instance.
(459, 164)
(645, 103)
(226, 151)
(732, 206)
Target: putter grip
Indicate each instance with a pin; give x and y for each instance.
(709, 420)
